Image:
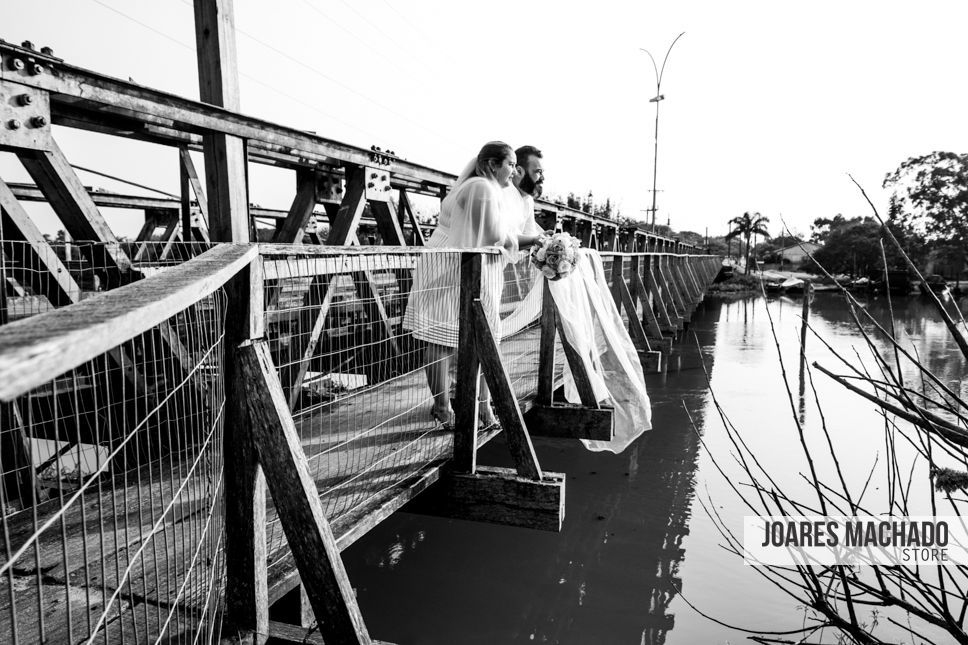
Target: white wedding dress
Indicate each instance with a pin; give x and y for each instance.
(594, 327)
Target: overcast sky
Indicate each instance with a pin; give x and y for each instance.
(768, 104)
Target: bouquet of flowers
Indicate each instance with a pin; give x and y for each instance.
(555, 255)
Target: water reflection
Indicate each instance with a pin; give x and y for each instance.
(631, 543)
(611, 574)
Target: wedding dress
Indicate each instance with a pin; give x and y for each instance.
(471, 216)
(593, 325)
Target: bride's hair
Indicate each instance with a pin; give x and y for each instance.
(492, 151)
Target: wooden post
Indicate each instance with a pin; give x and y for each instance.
(247, 595)
(468, 368)
(225, 157)
(546, 349)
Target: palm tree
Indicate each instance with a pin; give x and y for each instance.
(748, 225)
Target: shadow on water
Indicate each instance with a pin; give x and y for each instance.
(608, 577)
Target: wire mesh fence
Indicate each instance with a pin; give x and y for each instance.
(111, 492)
(353, 365)
(363, 339)
(35, 278)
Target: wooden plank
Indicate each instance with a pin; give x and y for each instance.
(48, 275)
(468, 367)
(570, 421)
(505, 403)
(546, 349)
(498, 496)
(56, 178)
(290, 231)
(36, 350)
(296, 499)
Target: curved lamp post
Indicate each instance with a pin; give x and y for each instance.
(656, 99)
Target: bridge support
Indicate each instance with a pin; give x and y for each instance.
(523, 496)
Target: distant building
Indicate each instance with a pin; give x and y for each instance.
(797, 253)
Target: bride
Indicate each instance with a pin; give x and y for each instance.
(471, 216)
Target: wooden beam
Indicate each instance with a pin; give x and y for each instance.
(296, 499)
(350, 209)
(296, 635)
(66, 194)
(36, 350)
(586, 393)
(570, 421)
(498, 496)
(505, 402)
(189, 179)
(290, 231)
(46, 273)
(387, 223)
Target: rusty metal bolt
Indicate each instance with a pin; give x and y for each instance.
(372, 175)
(38, 121)
(13, 124)
(16, 63)
(383, 178)
(25, 99)
(386, 188)
(27, 45)
(370, 185)
(46, 51)
(36, 69)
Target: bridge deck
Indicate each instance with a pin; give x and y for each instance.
(79, 561)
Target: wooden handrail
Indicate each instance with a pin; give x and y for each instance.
(38, 349)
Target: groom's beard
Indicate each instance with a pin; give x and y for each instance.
(530, 187)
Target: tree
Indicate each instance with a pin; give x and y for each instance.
(853, 246)
(746, 226)
(931, 195)
(850, 246)
(932, 190)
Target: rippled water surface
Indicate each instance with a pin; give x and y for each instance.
(637, 547)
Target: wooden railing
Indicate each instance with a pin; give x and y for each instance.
(141, 429)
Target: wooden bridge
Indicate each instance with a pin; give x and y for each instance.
(195, 423)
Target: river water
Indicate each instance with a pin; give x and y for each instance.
(639, 557)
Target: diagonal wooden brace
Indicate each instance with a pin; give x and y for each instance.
(296, 499)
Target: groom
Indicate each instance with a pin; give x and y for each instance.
(526, 185)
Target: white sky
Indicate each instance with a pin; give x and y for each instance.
(768, 104)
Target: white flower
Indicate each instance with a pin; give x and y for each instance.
(548, 272)
(542, 252)
(565, 266)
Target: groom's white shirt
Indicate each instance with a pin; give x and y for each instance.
(519, 209)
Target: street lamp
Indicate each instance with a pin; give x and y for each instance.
(656, 99)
